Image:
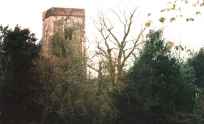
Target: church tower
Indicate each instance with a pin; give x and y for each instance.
(63, 39)
(66, 24)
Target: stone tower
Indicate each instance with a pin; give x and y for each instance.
(69, 24)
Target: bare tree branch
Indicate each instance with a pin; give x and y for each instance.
(134, 46)
(114, 47)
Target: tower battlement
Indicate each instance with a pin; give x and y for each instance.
(54, 11)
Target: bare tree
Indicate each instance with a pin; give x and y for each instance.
(116, 47)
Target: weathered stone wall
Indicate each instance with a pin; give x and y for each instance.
(59, 20)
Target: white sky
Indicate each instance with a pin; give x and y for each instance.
(28, 14)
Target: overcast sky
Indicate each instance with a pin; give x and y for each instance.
(28, 14)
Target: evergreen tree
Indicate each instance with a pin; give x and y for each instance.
(19, 88)
(157, 88)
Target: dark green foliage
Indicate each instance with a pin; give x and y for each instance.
(157, 88)
(197, 63)
(18, 87)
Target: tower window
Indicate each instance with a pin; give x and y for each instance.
(68, 33)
